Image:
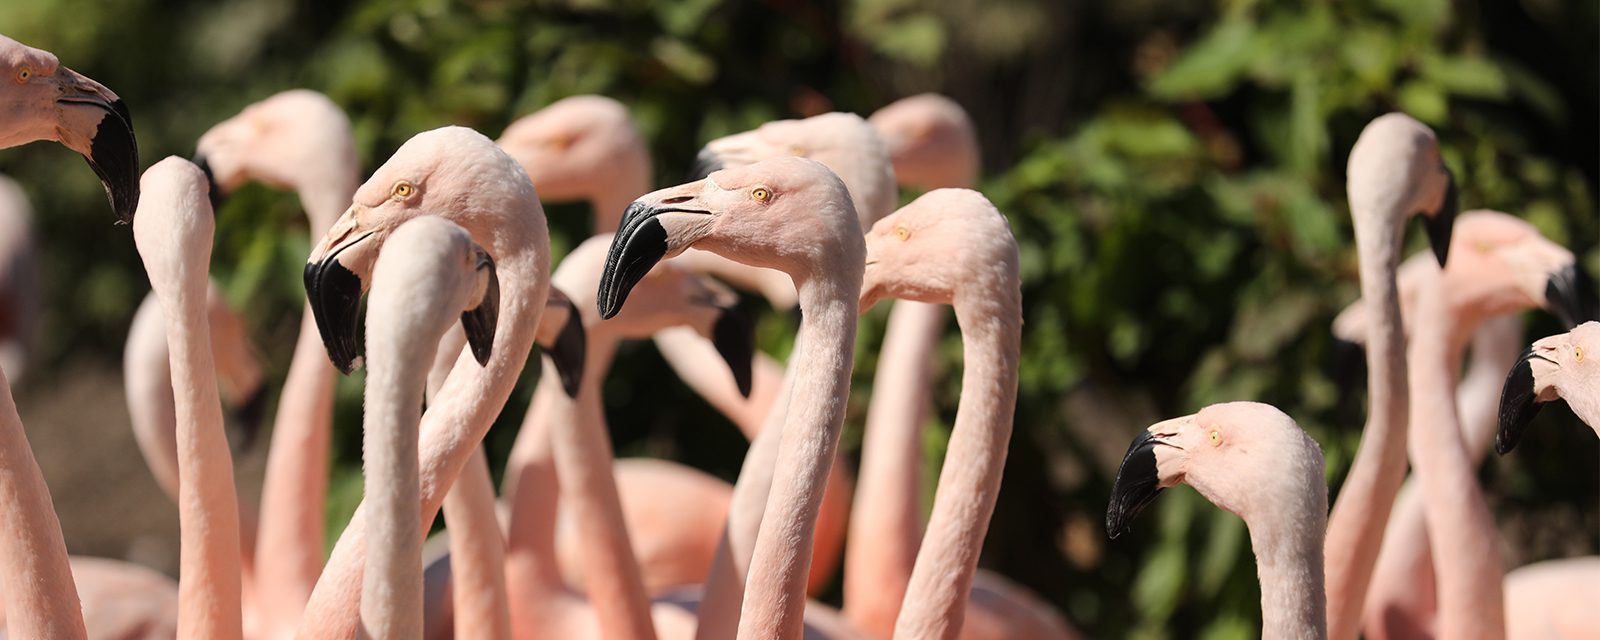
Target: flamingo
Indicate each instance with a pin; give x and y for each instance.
(47, 101)
(296, 139)
(19, 279)
(1557, 367)
(1503, 266)
(460, 175)
(1251, 460)
(951, 246)
(794, 215)
(173, 230)
(1394, 172)
(432, 274)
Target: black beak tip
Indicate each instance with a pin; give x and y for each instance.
(1136, 486)
(114, 157)
(706, 162)
(569, 351)
(1518, 404)
(1571, 295)
(639, 244)
(217, 197)
(1442, 222)
(334, 294)
(734, 337)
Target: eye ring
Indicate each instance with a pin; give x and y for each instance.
(403, 189)
(1577, 353)
(902, 233)
(761, 194)
(1215, 437)
(24, 74)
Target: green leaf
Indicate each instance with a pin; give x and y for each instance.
(1211, 66)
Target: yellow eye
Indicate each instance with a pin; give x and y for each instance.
(902, 233)
(1577, 353)
(761, 193)
(24, 74)
(1216, 437)
(797, 150)
(403, 189)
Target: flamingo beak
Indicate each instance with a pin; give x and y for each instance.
(113, 152)
(479, 322)
(1348, 360)
(1570, 294)
(734, 336)
(1441, 222)
(1519, 403)
(1136, 486)
(568, 350)
(217, 195)
(334, 292)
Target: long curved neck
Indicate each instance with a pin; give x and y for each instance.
(1355, 528)
(1289, 565)
(886, 527)
(477, 555)
(295, 487)
(1461, 532)
(991, 334)
(391, 601)
(39, 594)
(821, 364)
(454, 426)
(584, 465)
(208, 513)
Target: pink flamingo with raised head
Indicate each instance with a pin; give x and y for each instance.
(173, 231)
(1394, 172)
(1561, 367)
(460, 175)
(1253, 461)
(794, 215)
(951, 246)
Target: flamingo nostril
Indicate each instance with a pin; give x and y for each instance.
(677, 200)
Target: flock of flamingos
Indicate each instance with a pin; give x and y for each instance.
(448, 242)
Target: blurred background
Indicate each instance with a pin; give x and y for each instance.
(1174, 172)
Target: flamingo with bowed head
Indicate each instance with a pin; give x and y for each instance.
(951, 246)
(1501, 265)
(1254, 462)
(1560, 367)
(1394, 172)
(431, 275)
(173, 232)
(42, 100)
(46, 101)
(794, 215)
(296, 139)
(460, 175)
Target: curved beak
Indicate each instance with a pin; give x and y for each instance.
(569, 347)
(217, 195)
(1519, 403)
(1570, 294)
(1440, 224)
(479, 322)
(334, 293)
(1136, 486)
(734, 335)
(706, 162)
(111, 149)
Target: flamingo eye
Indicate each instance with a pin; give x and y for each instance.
(24, 74)
(902, 233)
(1577, 353)
(761, 193)
(403, 189)
(1216, 437)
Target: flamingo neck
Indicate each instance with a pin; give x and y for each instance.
(991, 335)
(1289, 565)
(820, 368)
(38, 589)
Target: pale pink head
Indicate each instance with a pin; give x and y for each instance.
(931, 141)
(430, 274)
(1564, 366)
(297, 139)
(1248, 458)
(843, 142)
(42, 100)
(453, 172)
(1394, 172)
(1507, 266)
(791, 214)
(950, 246)
(576, 148)
(174, 228)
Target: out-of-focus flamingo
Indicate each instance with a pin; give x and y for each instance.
(299, 140)
(173, 230)
(432, 274)
(19, 280)
(1394, 172)
(1254, 462)
(1560, 367)
(794, 215)
(951, 246)
(1499, 265)
(460, 175)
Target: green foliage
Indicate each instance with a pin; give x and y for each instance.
(1173, 173)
